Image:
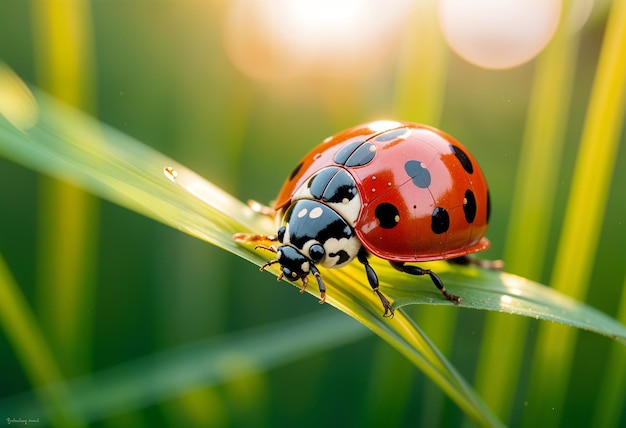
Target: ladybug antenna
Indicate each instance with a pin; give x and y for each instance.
(271, 262)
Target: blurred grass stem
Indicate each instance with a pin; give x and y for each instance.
(538, 175)
(68, 215)
(36, 358)
(584, 213)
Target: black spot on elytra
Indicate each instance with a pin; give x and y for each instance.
(387, 215)
(417, 172)
(296, 170)
(469, 206)
(355, 154)
(488, 206)
(440, 221)
(391, 135)
(463, 158)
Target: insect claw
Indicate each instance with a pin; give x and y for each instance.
(322, 297)
(389, 312)
(305, 282)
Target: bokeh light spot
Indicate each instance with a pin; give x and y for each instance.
(274, 39)
(498, 34)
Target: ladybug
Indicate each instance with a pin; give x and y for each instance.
(401, 191)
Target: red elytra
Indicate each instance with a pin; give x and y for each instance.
(423, 195)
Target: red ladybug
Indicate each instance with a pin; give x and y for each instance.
(401, 191)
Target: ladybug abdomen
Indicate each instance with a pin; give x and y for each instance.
(433, 204)
(420, 231)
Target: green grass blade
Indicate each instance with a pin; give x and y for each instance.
(612, 394)
(506, 293)
(22, 330)
(538, 175)
(162, 376)
(68, 145)
(59, 141)
(583, 219)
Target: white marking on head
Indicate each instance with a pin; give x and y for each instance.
(333, 246)
(302, 213)
(316, 212)
(305, 267)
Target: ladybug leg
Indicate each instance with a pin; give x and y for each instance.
(372, 278)
(258, 207)
(415, 270)
(320, 283)
(271, 262)
(473, 261)
(249, 238)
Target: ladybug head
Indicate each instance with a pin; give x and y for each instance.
(293, 264)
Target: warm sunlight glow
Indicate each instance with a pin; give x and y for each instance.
(506, 300)
(17, 103)
(498, 34)
(383, 125)
(269, 39)
(579, 14)
(513, 284)
(197, 186)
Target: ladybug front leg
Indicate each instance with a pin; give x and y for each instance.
(258, 207)
(252, 238)
(372, 278)
(414, 270)
(320, 283)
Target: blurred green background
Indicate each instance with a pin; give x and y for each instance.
(238, 91)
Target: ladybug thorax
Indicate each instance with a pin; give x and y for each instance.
(318, 233)
(336, 188)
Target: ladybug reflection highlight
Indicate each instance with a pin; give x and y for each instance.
(400, 191)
